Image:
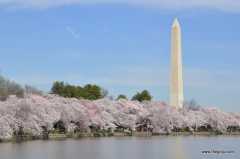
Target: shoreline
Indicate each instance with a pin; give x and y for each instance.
(59, 136)
(37, 117)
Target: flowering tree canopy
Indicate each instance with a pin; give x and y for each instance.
(35, 112)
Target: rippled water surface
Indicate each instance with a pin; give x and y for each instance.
(126, 148)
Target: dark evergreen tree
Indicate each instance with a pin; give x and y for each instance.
(91, 92)
(121, 96)
(143, 96)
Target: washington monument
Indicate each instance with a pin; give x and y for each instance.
(176, 77)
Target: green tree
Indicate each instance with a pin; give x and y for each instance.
(121, 96)
(58, 88)
(70, 91)
(143, 96)
(91, 92)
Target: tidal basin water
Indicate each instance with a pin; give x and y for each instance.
(162, 147)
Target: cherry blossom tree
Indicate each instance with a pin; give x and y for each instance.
(37, 113)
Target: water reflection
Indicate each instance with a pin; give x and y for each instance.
(120, 148)
(179, 149)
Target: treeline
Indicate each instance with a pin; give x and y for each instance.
(8, 87)
(89, 91)
(139, 96)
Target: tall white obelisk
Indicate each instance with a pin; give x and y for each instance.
(176, 79)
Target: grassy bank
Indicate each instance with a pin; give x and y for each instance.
(61, 136)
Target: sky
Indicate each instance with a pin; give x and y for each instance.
(124, 46)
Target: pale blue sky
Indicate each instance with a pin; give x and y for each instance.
(124, 47)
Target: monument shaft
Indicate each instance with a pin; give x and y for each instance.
(176, 78)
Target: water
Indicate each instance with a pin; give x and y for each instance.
(125, 148)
